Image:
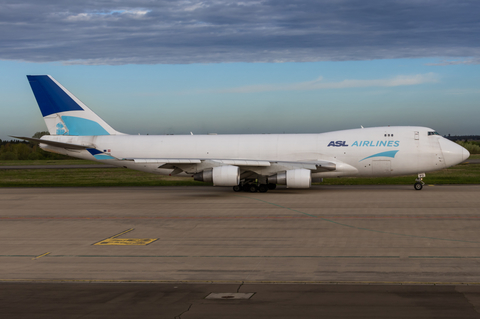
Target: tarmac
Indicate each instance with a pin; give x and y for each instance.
(336, 251)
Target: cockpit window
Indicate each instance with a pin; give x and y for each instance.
(433, 133)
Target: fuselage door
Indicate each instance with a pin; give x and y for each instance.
(417, 135)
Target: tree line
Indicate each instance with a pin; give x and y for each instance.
(22, 150)
(472, 146)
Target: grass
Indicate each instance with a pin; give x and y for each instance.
(49, 162)
(88, 177)
(460, 174)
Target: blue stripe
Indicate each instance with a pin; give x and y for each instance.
(103, 157)
(383, 154)
(94, 151)
(50, 97)
(83, 127)
(99, 154)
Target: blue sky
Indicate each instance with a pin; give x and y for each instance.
(143, 70)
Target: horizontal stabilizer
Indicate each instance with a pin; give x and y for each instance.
(54, 143)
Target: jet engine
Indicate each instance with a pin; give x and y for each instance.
(294, 178)
(220, 176)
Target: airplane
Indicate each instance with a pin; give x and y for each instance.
(248, 162)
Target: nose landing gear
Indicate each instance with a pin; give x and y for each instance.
(419, 182)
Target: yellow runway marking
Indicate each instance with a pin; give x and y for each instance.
(41, 255)
(114, 241)
(126, 241)
(123, 232)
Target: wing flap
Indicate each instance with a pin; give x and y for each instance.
(166, 161)
(243, 162)
(247, 165)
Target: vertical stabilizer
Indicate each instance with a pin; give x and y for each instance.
(63, 113)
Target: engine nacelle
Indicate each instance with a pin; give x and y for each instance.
(220, 176)
(294, 178)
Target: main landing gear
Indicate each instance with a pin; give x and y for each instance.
(253, 187)
(419, 182)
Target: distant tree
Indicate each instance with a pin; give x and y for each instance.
(472, 147)
(8, 156)
(23, 150)
(40, 134)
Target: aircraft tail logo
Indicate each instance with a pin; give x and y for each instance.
(64, 113)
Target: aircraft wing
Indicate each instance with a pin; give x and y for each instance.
(261, 167)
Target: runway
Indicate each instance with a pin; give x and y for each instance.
(399, 249)
(259, 301)
(323, 234)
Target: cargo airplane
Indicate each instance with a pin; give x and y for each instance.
(253, 162)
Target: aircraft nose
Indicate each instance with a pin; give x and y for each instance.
(466, 154)
(453, 153)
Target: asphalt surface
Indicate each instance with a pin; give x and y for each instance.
(327, 233)
(268, 301)
(300, 251)
(472, 161)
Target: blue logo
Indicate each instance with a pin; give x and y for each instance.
(376, 143)
(337, 143)
(382, 154)
(60, 129)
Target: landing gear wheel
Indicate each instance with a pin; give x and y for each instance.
(252, 188)
(419, 182)
(272, 186)
(262, 188)
(418, 186)
(237, 188)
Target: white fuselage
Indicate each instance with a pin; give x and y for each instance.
(381, 151)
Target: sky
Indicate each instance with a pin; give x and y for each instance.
(175, 67)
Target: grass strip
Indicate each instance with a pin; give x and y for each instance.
(49, 162)
(460, 174)
(88, 177)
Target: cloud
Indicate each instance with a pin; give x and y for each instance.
(456, 62)
(320, 84)
(213, 31)
(109, 15)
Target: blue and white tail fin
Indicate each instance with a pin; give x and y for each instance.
(63, 113)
